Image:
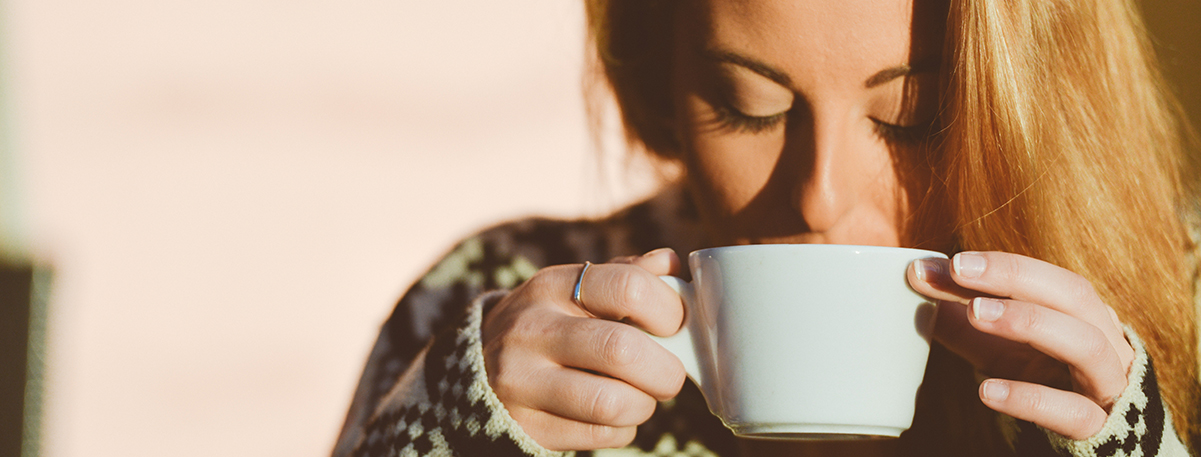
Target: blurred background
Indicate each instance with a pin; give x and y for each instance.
(208, 208)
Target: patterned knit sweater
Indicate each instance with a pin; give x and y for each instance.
(424, 391)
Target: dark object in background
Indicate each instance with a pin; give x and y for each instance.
(22, 323)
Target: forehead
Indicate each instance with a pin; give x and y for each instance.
(838, 38)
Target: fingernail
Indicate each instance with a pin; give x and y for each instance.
(994, 390)
(987, 309)
(928, 270)
(969, 264)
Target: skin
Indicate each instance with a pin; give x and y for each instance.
(792, 131)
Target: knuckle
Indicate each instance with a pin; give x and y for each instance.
(643, 408)
(547, 278)
(610, 437)
(1006, 267)
(624, 436)
(1113, 316)
(1035, 401)
(631, 287)
(1078, 414)
(1026, 319)
(599, 435)
(1096, 347)
(1084, 418)
(527, 419)
(505, 381)
(526, 328)
(1081, 292)
(510, 357)
(607, 406)
(675, 379)
(618, 346)
(668, 380)
(1091, 425)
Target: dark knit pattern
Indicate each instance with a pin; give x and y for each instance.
(1152, 413)
(456, 418)
(1138, 425)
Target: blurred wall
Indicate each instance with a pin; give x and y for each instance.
(232, 194)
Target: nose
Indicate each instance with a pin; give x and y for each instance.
(831, 182)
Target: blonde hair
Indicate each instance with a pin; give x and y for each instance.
(1065, 146)
(1059, 141)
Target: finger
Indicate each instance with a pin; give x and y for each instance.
(617, 350)
(1097, 371)
(659, 262)
(1066, 413)
(1030, 280)
(1034, 281)
(586, 397)
(954, 330)
(558, 434)
(629, 294)
(932, 277)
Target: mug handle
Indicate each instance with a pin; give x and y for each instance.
(681, 344)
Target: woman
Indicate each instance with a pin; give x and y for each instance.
(1033, 140)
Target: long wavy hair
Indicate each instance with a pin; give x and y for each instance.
(1058, 140)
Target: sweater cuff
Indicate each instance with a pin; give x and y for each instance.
(444, 404)
(1139, 422)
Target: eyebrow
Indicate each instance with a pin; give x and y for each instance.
(756, 66)
(889, 74)
(881, 77)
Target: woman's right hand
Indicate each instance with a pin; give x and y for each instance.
(584, 377)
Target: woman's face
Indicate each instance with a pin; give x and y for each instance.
(803, 121)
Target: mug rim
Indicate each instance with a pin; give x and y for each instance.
(817, 247)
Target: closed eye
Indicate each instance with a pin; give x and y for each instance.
(731, 119)
(902, 134)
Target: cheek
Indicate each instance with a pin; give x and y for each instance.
(881, 204)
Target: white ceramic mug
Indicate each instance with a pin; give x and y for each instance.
(805, 341)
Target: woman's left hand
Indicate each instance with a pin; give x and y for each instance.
(1055, 353)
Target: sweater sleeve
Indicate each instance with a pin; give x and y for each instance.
(435, 303)
(443, 405)
(1139, 423)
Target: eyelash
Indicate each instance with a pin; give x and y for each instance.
(899, 134)
(730, 119)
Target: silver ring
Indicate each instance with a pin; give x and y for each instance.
(577, 295)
